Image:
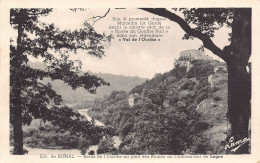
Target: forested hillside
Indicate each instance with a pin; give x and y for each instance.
(80, 98)
(182, 111)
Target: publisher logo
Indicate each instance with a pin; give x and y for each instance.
(233, 146)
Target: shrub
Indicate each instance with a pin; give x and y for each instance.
(173, 100)
(192, 106)
(105, 145)
(188, 85)
(42, 128)
(84, 144)
(91, 152)
(203, 125)
(179, 71)
(215, 89)
(83, 151)
(126, 129)
(216, 98)
(200, 68)
(201, 97)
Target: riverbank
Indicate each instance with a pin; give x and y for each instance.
(116, 139)
(60, 150)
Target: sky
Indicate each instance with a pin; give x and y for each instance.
(142, 59)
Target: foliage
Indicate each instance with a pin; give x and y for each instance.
(160, 130)
(105, 145)
(201, 23)
(208, 20)
(201, 68)
(88, 134)
(113, 110)
(81, 98)
(49, 38)
(164, 119)
(188, 85)
(68, 129)
(49, 136)
(91, 152)
(216, 98)
(29, 97)
(138, 89)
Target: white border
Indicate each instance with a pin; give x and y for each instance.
(5, 6)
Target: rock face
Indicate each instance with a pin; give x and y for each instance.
(220, 76)
(195, 54)
(220, 69)
(132, 99)
(214, 109)
(189, 55)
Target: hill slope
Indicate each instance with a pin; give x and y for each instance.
(182, 111)
(80, 98)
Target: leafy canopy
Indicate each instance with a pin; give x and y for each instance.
(40, 40)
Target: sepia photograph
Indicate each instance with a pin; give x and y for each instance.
(133, 83)
(148, 81)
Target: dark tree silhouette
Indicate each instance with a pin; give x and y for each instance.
(236, 55)
(29, 98)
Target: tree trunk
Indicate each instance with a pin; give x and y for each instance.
(17, 124)
(239, 80)
(239, 95)
(16, 101)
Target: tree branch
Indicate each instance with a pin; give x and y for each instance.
(40, 13)
(44, 11)
(99, 17)
(207, 42)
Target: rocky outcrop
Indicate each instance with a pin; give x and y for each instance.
(189, 55)
(213, 110)
(132, 99)
(220, 69)
(195, 54)
(219, 76)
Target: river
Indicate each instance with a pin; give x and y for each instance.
(116, 139)
(37, 151)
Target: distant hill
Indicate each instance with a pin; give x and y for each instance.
(82, 98)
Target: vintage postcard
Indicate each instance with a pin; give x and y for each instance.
(140, 82)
